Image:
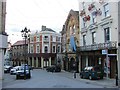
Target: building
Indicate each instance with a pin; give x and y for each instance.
(99, 35)
(3, 36)
(118, 44)
(18, 52)
(44, 47)
(70, 40)
(8, 55)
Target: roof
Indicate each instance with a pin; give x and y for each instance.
(48, 29)
(20, 42)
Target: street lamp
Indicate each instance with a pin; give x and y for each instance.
(25, 34)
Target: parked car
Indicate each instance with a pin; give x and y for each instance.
(53, 68)
(14, 70)
(23, 72)
(92, 72)
(7, 68)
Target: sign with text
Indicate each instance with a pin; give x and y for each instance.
(104, 52)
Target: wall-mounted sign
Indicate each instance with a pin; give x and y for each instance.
(104, 52)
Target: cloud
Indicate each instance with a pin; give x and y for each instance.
(35, 13)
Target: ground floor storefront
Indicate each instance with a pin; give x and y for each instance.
(95, 58)
(93, 55)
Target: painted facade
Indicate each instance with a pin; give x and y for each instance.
(99, 33)
(43, 48)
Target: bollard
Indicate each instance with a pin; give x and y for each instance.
(74, 74)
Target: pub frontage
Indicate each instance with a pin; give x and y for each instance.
(91, 55)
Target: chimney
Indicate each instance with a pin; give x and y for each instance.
(43, 28)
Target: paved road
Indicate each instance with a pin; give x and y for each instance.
(42, 79)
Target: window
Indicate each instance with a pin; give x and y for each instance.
(53, 49)
(58, 49)
(38, 48)
(93, 37)
(54, 38)
(31, 48)
(84, 24)
(106, 10)
(84, 39)
(107, 34)
(46, 49)
(58, 38)
(93, 18)
(45, 38)
(74, 30)
(83, 5)
(38, 39)
(70, 30)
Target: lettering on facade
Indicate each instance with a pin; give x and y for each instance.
(99, 46)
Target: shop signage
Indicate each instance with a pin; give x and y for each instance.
(104, 52)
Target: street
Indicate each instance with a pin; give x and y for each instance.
(43, 79)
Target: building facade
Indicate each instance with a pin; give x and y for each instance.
(44, 47)
(70, 40)
(18, 53)
(99, 35)
(8, 55)
(3, 36)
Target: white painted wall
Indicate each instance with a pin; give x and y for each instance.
(113, 7)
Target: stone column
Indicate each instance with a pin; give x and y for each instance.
(37, 62)
(42, 62)
(32, 61)
(86, 60)
(50, 61)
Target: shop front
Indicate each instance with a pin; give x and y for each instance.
(93, 56)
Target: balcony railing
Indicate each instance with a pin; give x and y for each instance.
(100, 46)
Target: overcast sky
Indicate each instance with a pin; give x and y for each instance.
(35, 13)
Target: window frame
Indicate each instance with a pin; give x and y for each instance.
(93, 37)
(106, 10)
(107, 34)
(84, 39)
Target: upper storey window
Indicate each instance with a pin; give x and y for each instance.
(45, 38)
(46, 49)
(106, 10)
(74, 29)
(107, 34)
(38, 39)
(54, 38)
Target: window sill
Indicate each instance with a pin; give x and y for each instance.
(105, 18)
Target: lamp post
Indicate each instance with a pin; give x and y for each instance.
(25, 34)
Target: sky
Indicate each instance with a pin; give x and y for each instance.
(35, 13)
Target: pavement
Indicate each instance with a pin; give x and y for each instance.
(107, 83)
